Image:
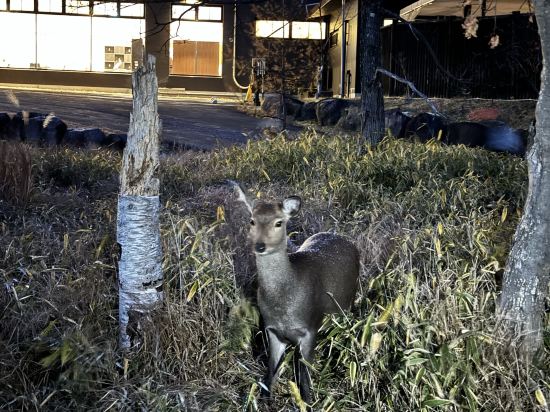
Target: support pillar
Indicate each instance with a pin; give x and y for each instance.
(157, 37)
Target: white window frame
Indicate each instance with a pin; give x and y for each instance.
(273, 29)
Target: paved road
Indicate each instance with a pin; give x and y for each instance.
(192, 123)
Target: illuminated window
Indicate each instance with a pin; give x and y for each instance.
(78, 7)
(131, 10)
(106, 9)
(183, 12)
(112, 50)
(210, 13)
(50, 6)
(3, 5)
(22, 5)
(56, 50)
(272, 28)
(308, 30)
(20, 53)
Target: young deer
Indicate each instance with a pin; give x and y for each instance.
(296, 290)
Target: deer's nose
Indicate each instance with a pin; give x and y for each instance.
(260, 247)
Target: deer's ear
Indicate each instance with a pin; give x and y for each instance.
(241, 196)
(291, 205)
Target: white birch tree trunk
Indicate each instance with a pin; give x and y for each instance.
(138, 226)
(528, 269)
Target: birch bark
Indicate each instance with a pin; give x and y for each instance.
(138, 227)
(528, 269)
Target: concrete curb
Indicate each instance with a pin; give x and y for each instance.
(109, 91)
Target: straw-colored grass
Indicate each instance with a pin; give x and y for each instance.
(434, 225)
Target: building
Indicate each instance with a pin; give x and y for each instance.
(198, 45)
(454, 66)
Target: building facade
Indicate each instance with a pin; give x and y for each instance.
(204, 46)
(443, 63)
(89, 43)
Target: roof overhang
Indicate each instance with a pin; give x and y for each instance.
(323, 8)
(432, 8)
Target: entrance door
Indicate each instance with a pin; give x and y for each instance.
(196, 58)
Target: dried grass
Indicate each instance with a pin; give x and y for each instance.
(15, 172)
(431, 225)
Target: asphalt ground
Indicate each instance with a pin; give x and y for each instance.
(190, 122)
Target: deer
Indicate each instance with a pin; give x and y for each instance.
(296, 290)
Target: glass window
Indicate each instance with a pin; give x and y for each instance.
(112, 50)
(272, 28)
(131, 10)
(183, 12)
(106, 9)
(3, 5)
(308, 30)
(63, 42)
(50, 6)
(22, 5)
(210, 13)
(20, 53)
(77, 7)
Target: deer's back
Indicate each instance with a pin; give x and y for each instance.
(330, 264)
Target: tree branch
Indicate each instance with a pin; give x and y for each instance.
(412, 87)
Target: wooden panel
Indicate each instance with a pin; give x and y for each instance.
(184, 57)
(196, 58)
(208, 58)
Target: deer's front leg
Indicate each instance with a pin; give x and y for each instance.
(276, 352)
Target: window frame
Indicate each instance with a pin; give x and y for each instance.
(288, 29)
(195, 12)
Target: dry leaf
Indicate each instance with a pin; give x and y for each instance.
(494, 42)
(470, 26)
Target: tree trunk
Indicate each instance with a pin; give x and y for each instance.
(138, 228)
(372, 102)
(527, 273)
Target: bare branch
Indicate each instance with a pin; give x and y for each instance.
(412, 87)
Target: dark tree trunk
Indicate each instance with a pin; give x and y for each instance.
(528, 269)
(372, 102)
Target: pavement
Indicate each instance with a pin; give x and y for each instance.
(189, 120)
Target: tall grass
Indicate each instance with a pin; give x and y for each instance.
(434, 225)
(15, 172)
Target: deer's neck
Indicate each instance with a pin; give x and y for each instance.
(273, 269)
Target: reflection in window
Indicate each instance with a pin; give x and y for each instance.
(105, 9)
(78, 7)
(22, 5)
(20, 53)
(183, 12)
(272, 28)
(50, 6)
(112, 49)
(210, 13)
(308, 30)
(131, 10)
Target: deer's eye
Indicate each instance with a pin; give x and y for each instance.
(278, 223)
(252, 223)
